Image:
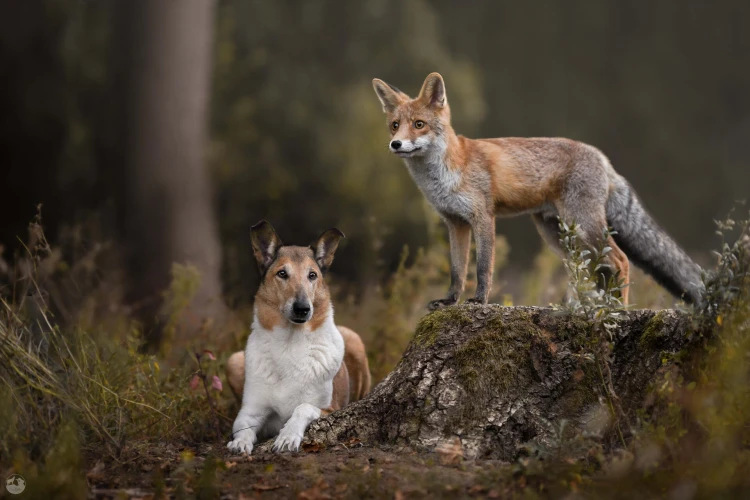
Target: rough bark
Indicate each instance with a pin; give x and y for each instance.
(166, 206)
(498, 377)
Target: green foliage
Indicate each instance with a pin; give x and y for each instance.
(61, 474)
(691, 438)
(386, 318)
(725, 286)
(588, 271)
(595, 295)
(185, 283)
(91, 388)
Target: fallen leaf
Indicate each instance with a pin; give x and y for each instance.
(341, 488)
(476, 489)
(229, 465)
(313, 447)
(353, 441)
(316, 492)
(450, 453)
(266, 487)
(493, 494)
(398, 495)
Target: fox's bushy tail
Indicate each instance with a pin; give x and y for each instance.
(649, 247)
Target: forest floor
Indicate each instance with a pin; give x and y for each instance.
(354, 471)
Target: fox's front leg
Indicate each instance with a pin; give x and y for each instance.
(291, 434)
(484, 234)
(459, 235)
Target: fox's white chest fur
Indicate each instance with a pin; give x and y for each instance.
(441, 186)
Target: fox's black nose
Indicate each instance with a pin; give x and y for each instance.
(395, 144)
(301, 309)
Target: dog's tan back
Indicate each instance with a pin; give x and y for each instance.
(355, 359)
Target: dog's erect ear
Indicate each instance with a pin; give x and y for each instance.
(325, 246)
(433, 90)
(265, 244)
(390, 97)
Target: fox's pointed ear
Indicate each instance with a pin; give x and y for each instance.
(266, 244)
(325, 246)
(433, 90)
(390, 97)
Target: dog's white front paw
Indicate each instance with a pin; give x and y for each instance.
(288, 439)
(242, 444)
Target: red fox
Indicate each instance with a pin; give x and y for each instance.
(471, 181)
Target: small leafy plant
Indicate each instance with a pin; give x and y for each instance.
(725, 285)
(594, 294)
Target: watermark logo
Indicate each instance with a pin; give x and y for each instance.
(15, 484)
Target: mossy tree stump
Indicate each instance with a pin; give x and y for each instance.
(496, 377)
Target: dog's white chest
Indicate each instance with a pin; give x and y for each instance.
(287, 366)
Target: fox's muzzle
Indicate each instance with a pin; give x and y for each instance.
(406, 148)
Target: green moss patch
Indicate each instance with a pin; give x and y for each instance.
(429, 326)
(653, 330)
(491, 362)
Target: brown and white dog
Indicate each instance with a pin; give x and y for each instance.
(298, 365)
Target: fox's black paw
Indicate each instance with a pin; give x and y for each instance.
(440, 303)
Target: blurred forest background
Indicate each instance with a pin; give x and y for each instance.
(170, 129)
(154, 133)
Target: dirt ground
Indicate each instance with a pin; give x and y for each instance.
(353, 471)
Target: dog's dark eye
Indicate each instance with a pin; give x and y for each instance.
(313, 275)
(418, 124)
(282, 274)
(394, 126)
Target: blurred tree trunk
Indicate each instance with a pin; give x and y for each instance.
(165, 202)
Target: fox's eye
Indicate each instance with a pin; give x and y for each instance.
(394, 126)
(312, 276)
(282, 274)
(418, 124)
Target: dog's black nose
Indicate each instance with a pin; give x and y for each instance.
(301, 309)
(395, 144)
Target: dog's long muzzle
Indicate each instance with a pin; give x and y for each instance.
(301, 311)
